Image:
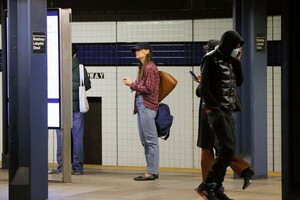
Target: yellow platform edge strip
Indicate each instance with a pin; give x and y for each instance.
(161, 169)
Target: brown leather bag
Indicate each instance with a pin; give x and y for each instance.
(167, 84)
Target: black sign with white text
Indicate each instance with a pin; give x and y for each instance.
(260, 43)
(39, 42)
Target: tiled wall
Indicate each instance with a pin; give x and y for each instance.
(274, 118)
(120, 141)
(274, 99)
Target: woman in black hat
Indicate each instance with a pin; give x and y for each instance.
(146, 104)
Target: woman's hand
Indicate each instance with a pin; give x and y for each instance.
(127, 81)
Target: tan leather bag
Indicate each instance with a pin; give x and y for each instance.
(167, 84)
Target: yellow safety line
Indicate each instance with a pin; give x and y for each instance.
(161, 169)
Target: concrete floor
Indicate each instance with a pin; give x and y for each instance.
(112, 184)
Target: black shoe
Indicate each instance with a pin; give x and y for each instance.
(221, 195)
(207, 191)
(146, 178)
(247, 174)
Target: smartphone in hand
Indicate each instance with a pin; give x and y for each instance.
(195, 77)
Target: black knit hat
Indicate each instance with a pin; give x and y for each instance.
(211, 44)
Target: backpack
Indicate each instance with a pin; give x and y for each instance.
(163, 121)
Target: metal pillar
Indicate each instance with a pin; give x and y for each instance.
(27, 99)
(66, 91)
(250, 20)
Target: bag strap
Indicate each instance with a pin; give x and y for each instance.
(81, 74)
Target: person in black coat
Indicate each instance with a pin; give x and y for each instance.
(207, 141)
(221, 74)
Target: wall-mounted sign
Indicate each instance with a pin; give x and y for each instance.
(260, 43)
(96, 75)
(38, 42)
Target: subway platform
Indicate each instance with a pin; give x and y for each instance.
(111, 183)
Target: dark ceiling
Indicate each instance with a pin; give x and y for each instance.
(132, 10)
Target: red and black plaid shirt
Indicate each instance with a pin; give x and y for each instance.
(148, 87)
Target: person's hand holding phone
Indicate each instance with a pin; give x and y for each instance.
(195, 77)
(127, 81)
(239, 56)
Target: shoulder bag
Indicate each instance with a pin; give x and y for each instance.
(167, 84)
(83, 102)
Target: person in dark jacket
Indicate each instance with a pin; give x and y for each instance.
(221, 74)
(207, 141)
(78, 121)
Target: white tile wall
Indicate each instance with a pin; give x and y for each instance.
(270, 127)
(130, 151)
(274, 28)
(155, 31)
(107, 89)
(121, 145)
(52, 146)
(207, 29)
(274, 117)
(277, 118)
(177, 151)
(93, 32)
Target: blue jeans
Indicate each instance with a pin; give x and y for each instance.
(148, 135)
(77, 144)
